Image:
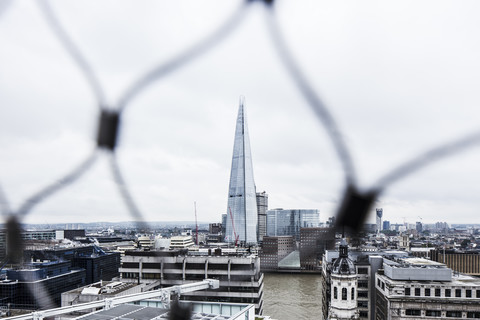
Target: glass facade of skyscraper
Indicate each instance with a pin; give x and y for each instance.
(282, 222)
(242, 201)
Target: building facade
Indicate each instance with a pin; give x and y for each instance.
(379, 215)
(262, 207)
(366, 264)
(98, 264)
(313, 243)
(465, 262)
(343, 294)
(39, 285)
(242, 216)
(273, 250)
(421, 289)
(240, 278)
(386, 225)
(287, 222)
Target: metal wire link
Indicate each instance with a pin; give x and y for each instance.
(108, 140)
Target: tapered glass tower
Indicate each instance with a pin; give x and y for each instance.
(242, 204)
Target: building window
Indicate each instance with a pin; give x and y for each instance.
(478, 293)
(362, 270)
(427, 292)
(344, 293)
(454, 314)
(363, 284)
(407, 291)
(468, 293)
(362, 294)
(383, 285)
(473, 315)
(362, 304)
(335, 293)
(458, 293)
(417, 292)
(433, 313)
(448, 293)
(378, 282)
(353, 294)
(363, 314)
(437, 293)
(412, 312)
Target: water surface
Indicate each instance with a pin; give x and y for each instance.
(292, 296)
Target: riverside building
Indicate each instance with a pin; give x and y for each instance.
(242, 215)
(287, 222)
(240, 278)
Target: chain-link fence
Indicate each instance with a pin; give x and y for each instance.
(356, 203)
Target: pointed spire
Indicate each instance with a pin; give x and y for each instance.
(242, 206)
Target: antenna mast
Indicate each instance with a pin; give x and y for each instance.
(196, 223)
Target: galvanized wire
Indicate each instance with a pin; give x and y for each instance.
(57, 185)
(281, 46)
(73, 50)
(313, 99)
(183, 58)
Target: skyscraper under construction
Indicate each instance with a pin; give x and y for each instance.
(242, 204)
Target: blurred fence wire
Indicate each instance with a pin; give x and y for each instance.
(356, 203)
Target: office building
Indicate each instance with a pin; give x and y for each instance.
(313, 243)
(366, 264)
(240, 278)
(379, 216)
(467, 262)
(274, 249)
(242, 216)
(262, 207)
(224, 224)
(386, 225)
(98, 265)
(39, 284)
(418, 226)
(417, 288)
(287, 222)
(181, 242)
(215, 228)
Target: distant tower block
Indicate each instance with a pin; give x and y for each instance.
(379, 219)
(242, 201)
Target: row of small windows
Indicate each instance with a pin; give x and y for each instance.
(438, 313)
(447, 292)
(362, 270)
(344, 293)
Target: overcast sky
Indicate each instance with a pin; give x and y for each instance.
(399, 77)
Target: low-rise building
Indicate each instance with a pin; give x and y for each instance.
(39, 285)
(181, 242)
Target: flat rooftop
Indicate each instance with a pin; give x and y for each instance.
(422, 262)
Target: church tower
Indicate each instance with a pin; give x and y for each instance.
(343, 298)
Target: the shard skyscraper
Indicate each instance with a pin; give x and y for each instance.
(242, 204)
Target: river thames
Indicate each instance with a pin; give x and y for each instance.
(292, 296)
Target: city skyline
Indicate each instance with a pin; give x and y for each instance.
(397, 81)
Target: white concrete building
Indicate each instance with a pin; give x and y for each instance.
(344, 287)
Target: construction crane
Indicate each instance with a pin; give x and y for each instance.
(196, 223)
(233, 227)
